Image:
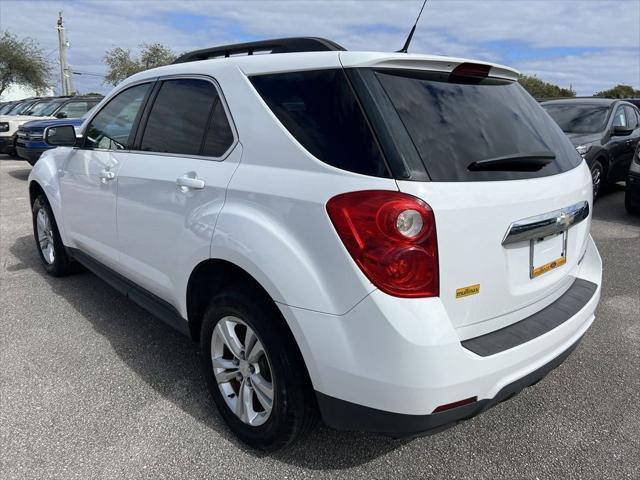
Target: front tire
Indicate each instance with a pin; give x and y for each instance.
(52, 253)
(254, 370)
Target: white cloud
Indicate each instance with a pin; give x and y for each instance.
(604, 35)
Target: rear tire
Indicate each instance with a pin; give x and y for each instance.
(52, 253)
(597, 178)
(292, 411)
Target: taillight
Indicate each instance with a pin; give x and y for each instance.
(392, 238)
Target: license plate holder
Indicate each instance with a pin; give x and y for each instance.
(551, 253)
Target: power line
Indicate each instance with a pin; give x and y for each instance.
(89, 74)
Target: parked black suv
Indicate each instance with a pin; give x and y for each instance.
(604, 131)
(632, 195)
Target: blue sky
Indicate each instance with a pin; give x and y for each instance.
(588, 44)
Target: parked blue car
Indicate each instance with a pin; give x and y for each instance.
(30, 143)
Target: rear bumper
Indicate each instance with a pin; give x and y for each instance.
(350, 416)
(386, 365)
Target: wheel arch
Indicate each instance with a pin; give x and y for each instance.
(602, 156)
(211, 276)
(35, 189)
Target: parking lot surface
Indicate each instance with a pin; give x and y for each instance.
(92, 386)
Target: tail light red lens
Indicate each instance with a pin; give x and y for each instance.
(392, 238)
(467, 69)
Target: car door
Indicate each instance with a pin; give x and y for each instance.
(172, 188)
(88, 180)
(633, 123)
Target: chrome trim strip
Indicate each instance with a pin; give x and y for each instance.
(546, 224)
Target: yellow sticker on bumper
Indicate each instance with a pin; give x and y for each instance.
(466, 291)
(558, 262)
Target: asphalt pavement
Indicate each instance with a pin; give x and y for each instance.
(92, 386)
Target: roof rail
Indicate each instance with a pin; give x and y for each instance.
(279, 45)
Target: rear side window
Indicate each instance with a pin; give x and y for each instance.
(321, 111)
(219, 135)
(454, 124)
(187, 118)
(110, 129)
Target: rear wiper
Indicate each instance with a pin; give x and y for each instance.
(518, 162)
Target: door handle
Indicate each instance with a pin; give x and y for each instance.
(193, 183)
(106, 175)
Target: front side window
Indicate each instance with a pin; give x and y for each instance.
(184, 111)
(111, 128)
(619, 120)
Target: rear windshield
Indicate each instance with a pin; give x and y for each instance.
(579, 118)
(454, 124)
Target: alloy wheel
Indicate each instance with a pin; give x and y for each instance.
(45, 236)
(242, 371)
(596, 179)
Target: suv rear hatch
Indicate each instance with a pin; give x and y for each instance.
(493, 158)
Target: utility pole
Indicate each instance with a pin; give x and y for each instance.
(66, 85)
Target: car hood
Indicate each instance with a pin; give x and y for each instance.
(19, 119)
(583, 138)
(40, 125)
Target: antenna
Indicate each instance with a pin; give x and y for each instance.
(405, 48)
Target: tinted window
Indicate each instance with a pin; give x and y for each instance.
(45, 109)
(179, 117)
(5, 108)
(619, 119)
(219, 134)
(74, 109)
(632, 119)
(454, 124)
(111, 127)
(320, 110)
(578, 118)
(24, 108)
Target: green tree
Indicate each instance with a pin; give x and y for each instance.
(540, 89)
(121, 64)
(619, 91)
(22, 62)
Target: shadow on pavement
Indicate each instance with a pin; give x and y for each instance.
(169, 362)
(20, 174)
(610, 207)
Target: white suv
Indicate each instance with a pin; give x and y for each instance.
(395, 242)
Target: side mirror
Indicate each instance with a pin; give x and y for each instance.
(61, 115)
(60, 136)
(619, 131)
